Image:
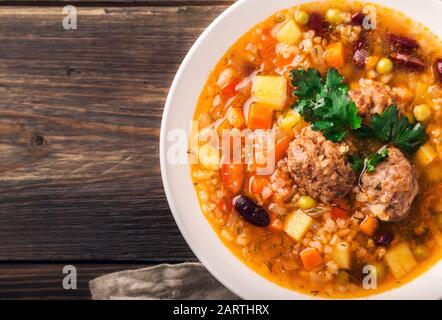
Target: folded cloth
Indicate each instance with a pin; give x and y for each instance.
(186, 281)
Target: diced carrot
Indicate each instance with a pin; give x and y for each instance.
(281, 62)
(371, 63)
(369, 225)
(233, 176)
(310, 258)
(334, 55)
(235, 116)
(281, 148)
(267, 48)
(257, 183)
(260, 117)
(229, 90)
(225, 205)
(339, 210)
(224, 125)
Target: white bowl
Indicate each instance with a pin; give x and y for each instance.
(180, 106)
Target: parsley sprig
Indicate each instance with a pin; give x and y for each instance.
(391, 127)
(325, 103)
(369, 163)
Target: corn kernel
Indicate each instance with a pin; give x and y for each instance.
(384, 66)
(301, 17)
(422, 112)
(333, 16)
(306, 202)
(426, 155)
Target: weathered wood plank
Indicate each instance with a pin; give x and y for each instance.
(45, 281)
(122, 2)
(80, 114)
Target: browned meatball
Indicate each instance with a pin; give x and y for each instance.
(320, 167)
(389, 191)
(372, 97)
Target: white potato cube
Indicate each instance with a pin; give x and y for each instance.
(270, 90)
(341, 255)
(289, 33)
(297, 224)
(400, 260)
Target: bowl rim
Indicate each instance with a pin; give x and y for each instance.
(232, 281)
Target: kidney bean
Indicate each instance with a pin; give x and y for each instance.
(317, 23)
(401, 43)
(383, 239)
(360, 56)
(357, 19)
(407, 61)
(251, 212)
(360, 49)
(437, 69)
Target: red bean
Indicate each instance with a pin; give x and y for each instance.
(407, 61)
(251, 212)
(437, 69)
(360, 57)
(317, 23)
(361, 52)
(357, 19)
(401, 43)
(384, 239)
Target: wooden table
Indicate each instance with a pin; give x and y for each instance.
(80, 114)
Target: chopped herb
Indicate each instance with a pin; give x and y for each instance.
(392, 127)
(325, 103)
(369, 163)
(375, 158)
(357, 163)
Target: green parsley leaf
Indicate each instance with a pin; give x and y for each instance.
(357, 163)
(325, 103)
(375, 158)
(392, 127)
(368, 164)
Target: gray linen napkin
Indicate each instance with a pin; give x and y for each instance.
(186, 281)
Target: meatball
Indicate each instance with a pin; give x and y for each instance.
(389, 191)
(320, 167)
(372, 97)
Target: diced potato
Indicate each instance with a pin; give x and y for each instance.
(289, 121)
(208, 157)
(297, 225)
(426, 154)
(341, 255)
(270, 90)
(400, 260)
(289, 33)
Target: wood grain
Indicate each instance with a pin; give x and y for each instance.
(80, 114)
(45, 281)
